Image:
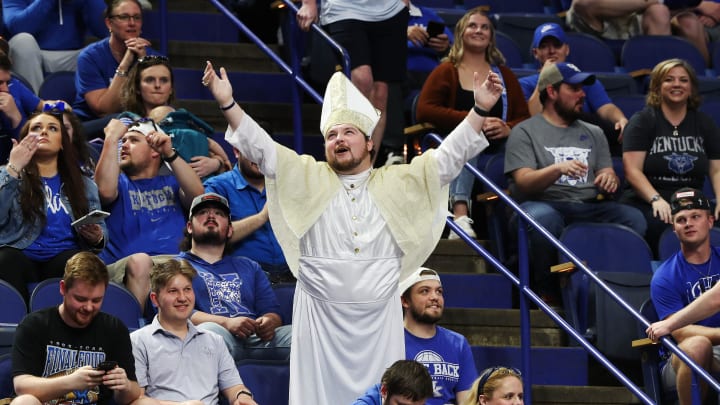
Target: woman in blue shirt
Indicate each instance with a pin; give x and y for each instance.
(42, 191)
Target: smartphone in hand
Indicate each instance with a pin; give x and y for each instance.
(93, 217)
(435, 28)
(106, 365)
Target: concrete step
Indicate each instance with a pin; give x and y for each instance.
(232, 56)
(556, 395)
(501, 327)
(569, 364)
(473, 290)
(455, 256)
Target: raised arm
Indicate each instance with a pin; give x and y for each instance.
(107, 170)
(190, 184)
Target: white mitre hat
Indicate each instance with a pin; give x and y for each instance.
(344, 104)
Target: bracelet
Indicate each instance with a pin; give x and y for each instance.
(172, 157)
(121, 73)
(654, 198)
(248, 393)
(15, 169)
(479, 111)
(228, 107)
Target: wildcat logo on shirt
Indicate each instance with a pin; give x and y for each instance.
(224, 293)
(564, 153)
(61, 361)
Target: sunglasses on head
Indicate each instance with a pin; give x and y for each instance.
(143, 125)
(506, 371)
(153, 59)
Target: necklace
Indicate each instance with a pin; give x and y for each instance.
(675, 131)
(704, 281)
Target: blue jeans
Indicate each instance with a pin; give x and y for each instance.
(462, 186)
(278, 348)
(555, 216)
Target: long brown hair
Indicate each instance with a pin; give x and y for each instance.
(32, 196)
(131, 96)
(492, 54)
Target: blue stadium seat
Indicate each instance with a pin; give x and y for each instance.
(629, 104)
(495, 209)
(12, 303)
(46, 294)
(617, 84)
(646, 51)
(521, 28)
(118, 301)
(6, 383)
(590, 53)
(58, 86)
(122, 304)
(650, 361)
(269, 380)
(627, 271)
(510, 49)
(711, 106)
(285, 293)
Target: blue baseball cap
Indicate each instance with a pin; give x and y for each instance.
(548, 30)
(563, 72)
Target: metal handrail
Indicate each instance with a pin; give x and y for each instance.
(523, 284)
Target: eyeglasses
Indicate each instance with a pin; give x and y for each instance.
(153, 58)
(501, 371)
(126, 17)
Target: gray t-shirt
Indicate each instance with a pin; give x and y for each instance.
(535, 143)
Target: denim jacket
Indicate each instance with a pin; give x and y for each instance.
(17, 233)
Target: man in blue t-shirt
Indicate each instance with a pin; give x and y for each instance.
(147, 209)
(683, 279)
(253, 237)
(445, 353)
(406, 382)
(233, 298)
(550, 46)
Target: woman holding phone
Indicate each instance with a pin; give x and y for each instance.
(42, 191)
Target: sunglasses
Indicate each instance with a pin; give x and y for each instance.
(142, 125)
(153, 59)
(501, 371)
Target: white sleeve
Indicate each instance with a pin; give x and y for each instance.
(255, 144)
(462, 144)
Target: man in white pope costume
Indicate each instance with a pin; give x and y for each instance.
(351, 232)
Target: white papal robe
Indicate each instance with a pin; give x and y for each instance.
(349, 239)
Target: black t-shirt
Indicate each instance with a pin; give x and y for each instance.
(45, 346)
(676, 157)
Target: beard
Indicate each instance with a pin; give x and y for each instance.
(250, 171)
(210, 237)
(422, 317)
(568, 114)
(348, 164)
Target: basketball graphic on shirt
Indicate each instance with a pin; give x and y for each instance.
(428, 356)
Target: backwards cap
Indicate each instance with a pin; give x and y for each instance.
(421, 274)
(344, 104)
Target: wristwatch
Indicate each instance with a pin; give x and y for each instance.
(172, 157)
(654, 198)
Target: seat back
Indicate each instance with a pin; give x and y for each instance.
(46, 294)
(58, 86)
(12, 303)
(285, 293)
(614, 326)
(122, 304)
(605, 248)
(629, 104)
(618, 84)
(646, 51)
(269, 380)
(510, 49)
(590, 53)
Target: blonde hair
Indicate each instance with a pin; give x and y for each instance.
(163, 272)
(85, 266)
(488, 382)
(492, 54)
(660, 71)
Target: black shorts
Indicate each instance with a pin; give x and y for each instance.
(381, 44)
